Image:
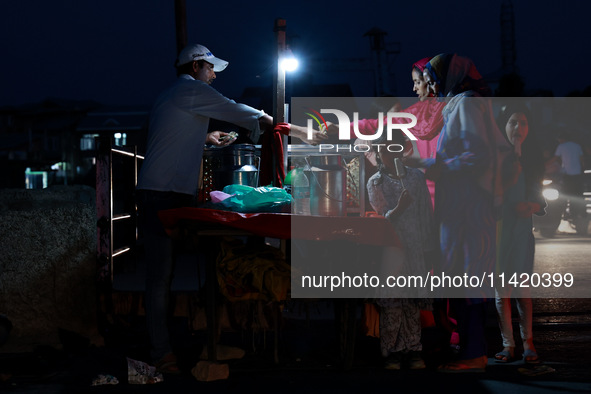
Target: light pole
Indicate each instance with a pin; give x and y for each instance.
(284, 62)
(279, 80)
(279, 91)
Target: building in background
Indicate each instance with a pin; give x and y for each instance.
(52, 142)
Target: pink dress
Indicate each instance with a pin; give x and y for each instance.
(427, 129)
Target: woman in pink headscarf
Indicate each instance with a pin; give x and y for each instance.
(429, 120)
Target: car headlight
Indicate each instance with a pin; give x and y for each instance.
(550, 194)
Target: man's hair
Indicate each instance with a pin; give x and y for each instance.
(187, 68)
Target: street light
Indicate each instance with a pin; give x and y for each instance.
(289, 63)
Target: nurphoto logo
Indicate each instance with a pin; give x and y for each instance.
(345, 125)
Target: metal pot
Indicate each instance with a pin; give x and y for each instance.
(328, 185)
(232, 164)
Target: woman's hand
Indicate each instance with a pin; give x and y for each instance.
(219, 138)
(414, 162)
(332, 128)
(433, 173)
(404, 202)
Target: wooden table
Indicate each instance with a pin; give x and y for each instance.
(215, 224)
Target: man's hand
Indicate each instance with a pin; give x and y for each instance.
(266, 123)
(219, 138)
(317, 137)
(302, 133)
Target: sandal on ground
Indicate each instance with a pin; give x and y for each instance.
(168, 365)
(474, 365)
(415, 361)
(530, 357)
(393, 361)
(504, 357)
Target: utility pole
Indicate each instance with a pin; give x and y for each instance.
(180, 18)
(508, 50)
(279, 78)
(380, 52)
(379, 64)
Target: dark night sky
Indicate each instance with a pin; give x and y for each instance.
(122, 52)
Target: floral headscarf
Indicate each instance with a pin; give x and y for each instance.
(456, 74)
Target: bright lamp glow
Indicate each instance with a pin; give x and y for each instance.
(289, 64)
(550, 194)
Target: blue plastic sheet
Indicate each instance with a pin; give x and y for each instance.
(250, 199)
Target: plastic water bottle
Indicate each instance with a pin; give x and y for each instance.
(288, 179)
(300, 192)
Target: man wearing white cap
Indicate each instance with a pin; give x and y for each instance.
(170, 173)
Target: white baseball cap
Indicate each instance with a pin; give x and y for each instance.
(196, 52)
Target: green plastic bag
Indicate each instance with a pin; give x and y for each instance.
(250, 199)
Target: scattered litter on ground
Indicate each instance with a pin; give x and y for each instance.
(535, 371)
(208, 371)
(139, 372)
(104, 379)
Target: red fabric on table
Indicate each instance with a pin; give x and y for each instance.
(272, 147)
(363, 230)
(273, 225)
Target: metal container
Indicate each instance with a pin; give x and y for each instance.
(354, 163)
(245, 175)
(233, 164)
(328, 185)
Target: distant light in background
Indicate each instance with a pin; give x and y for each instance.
(120, 139)
(35, 179)
(87, 142)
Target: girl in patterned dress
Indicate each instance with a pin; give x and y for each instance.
(405, 201)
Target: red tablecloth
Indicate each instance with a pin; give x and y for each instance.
(363, 230)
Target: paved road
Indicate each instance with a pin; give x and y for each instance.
(562, 333)
(564, 254)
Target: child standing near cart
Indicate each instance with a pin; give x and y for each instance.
(401, 196)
